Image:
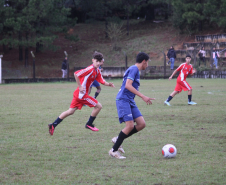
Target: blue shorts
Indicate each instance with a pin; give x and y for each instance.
(95, 84)
(127, 111)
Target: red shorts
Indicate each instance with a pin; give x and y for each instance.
(182, 85)
(86, 100)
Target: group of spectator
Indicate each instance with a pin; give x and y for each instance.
(171, 56)
(202, 57)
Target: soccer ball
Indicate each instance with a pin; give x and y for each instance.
(169, 151)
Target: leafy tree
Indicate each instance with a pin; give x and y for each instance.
(115, 32)
(214, 10)
(130, 7)
(109, 9)
(188, 14)
(32, 23)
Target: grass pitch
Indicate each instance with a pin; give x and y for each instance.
(75, 155)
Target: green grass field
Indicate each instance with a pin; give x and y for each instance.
(75, 155)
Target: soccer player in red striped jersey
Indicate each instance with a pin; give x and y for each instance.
(84, 79)
(185, 69)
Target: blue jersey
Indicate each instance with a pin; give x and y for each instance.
(133, 74)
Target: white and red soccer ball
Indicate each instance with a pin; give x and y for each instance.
(169, 151)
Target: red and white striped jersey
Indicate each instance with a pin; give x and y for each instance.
(87, 77)
(184, 69)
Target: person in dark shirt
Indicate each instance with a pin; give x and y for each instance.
(64, 68)
(171, 55)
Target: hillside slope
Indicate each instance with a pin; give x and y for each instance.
(149, 37)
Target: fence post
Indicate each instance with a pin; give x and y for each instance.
(126, 64)
(68, 71)
(1, 68)
(164, 56)
(33, 56)
(65, 52)
(211, 57)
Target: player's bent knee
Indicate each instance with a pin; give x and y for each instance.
(129, 125)
(99, 106)
(143, 125)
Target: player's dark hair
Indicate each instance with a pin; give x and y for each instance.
(188, 56)
(142, 56)
(97, 55)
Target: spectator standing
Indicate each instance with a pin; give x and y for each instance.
(202, 55)
(171, 55)
(64, 68)
(215, 57)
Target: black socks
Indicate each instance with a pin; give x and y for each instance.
(91, 119)
(132, 132)
(189, 98)
(121, 138)
(96, 94)
(169, 98)
(56, 122)
(119, 141)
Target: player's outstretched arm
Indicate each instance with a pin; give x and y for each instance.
(109, 84)
(193, 71)
(130, 87)
(173, 74)
(147, 99)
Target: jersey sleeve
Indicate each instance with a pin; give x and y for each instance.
(132, 74)
(100, 78)
(83, 72)
(180, 67)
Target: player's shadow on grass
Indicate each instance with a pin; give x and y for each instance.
(181, 105)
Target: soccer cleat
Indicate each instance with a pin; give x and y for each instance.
(92, 127)
(116, 154)
(51, 129)
(120, 149)
(191, 103)
(167, 103)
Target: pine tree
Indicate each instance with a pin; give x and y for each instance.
(31, 23)
(214, 10)
(188, 14)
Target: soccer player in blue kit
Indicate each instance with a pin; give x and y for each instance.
(128, 111)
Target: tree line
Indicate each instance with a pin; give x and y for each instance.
(34, 23)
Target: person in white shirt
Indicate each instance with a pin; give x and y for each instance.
(215, 57)
(202, 55)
